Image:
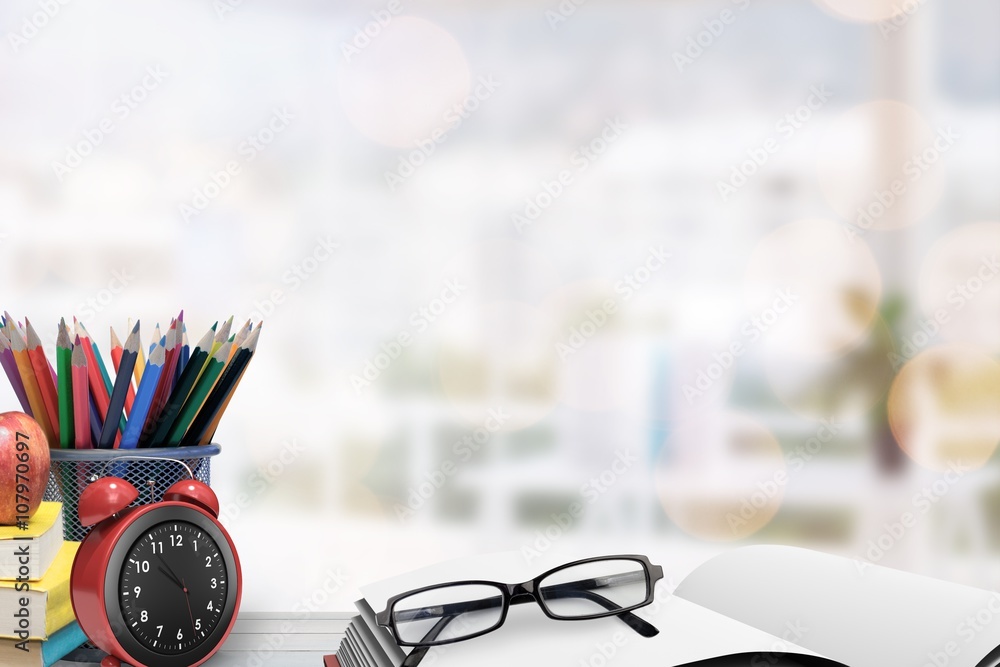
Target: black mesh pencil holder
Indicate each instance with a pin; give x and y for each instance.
(152, 471)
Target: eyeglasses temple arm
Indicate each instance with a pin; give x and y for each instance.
(415, 656)
(569, 591)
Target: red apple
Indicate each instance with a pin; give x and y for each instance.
(24, 467)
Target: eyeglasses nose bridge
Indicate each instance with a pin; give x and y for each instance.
(525, 590)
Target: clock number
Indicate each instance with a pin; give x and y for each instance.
(142, 566)
(154, 547)
(180, 635)
(210, 607)
(215, 583)
(208, 561)
(197, 624)
(196, 545)
(138, 591)
(144, 616)
(159, 630)
(179, 542)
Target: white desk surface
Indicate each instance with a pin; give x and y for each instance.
(257, 641)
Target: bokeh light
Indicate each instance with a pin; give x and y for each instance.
(724, 479)
(959, 286)
(814, 290)
(944, 407)
(882, 166)
(398, 90)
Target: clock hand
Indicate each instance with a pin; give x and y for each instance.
(173, 576)
(187, 598)
(170, 577)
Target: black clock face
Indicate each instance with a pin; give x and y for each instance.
(173, 587)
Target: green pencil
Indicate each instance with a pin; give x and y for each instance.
(64, 365)
(185, 384)
(198, 395)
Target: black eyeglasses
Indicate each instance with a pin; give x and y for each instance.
(577, 591)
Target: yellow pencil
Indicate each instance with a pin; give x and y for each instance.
(20, 349)
(140, 362)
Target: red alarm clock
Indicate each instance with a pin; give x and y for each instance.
(155, 585)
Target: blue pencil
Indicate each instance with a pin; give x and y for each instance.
(122, 384)
(144, 398)
(185, 355)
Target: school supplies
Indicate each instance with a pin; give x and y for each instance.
(170, 394)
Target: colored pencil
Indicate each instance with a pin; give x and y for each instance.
(43, 375)
(116, 359)
(144, 398)
(64, 360)
(185, 354)
(105, 376)
(203, 429)
(20, 349)
(10, 368)
(81, 399)
(98, 359)
(140, 361)
(213, 368)
(122, 384)
(222, 335)
(171, 351)
(182, 389)
(98, 391)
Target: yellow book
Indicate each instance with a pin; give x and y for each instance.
(39, 544)
(48, 605)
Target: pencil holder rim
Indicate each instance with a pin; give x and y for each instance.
(184, 453)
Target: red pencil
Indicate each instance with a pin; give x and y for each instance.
(116, 357)
(162, 395)
(81, 399)
(43, 375)
(98, 390)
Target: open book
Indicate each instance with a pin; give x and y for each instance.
(759, 606)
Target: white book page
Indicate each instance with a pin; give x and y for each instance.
(857, 613)
(688, 633)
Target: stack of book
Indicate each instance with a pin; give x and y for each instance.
(759, 605)
(37, 626)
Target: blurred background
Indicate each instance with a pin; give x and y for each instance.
(545, 276)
